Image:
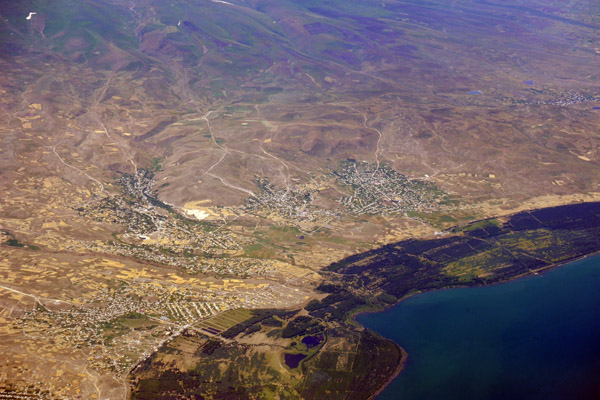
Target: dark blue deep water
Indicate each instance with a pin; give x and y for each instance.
(533, 338)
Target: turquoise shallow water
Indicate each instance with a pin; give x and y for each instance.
(533, 338)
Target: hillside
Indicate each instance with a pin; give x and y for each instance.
(165, 162)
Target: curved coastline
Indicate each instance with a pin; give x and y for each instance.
(402, 365)
(399, 369)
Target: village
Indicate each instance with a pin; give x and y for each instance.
(124, 322)
(382, 190)
(157, 233)
(163, 234)
(569, 98)
(121, 325)
(562, 100)
(294, 203)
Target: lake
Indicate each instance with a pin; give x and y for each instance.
(532, 338)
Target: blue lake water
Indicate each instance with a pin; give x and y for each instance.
(533, 338)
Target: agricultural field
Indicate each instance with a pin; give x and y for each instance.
(224, 321)
(479, 253)
(318, 350)
(188, 183)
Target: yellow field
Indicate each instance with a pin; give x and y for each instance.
(227, 319)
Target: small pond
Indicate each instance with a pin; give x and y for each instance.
(312, 341)
(292, 360)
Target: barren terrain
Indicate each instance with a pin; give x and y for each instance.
(163, 163)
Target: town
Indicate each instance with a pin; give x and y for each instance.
(118, 326)
(157, 232)
(294, 203)
(382, 190)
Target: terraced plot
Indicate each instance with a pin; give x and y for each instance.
(221, 322)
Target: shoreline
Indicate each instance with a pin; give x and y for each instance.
(397, 372)
(531, 273)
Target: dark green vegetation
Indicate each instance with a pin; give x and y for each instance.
(130, 321)
(534, 338)
(8, 239)
(480, 253)
(340, 362)
(331, 355)
(253, 323)
(144, 114)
